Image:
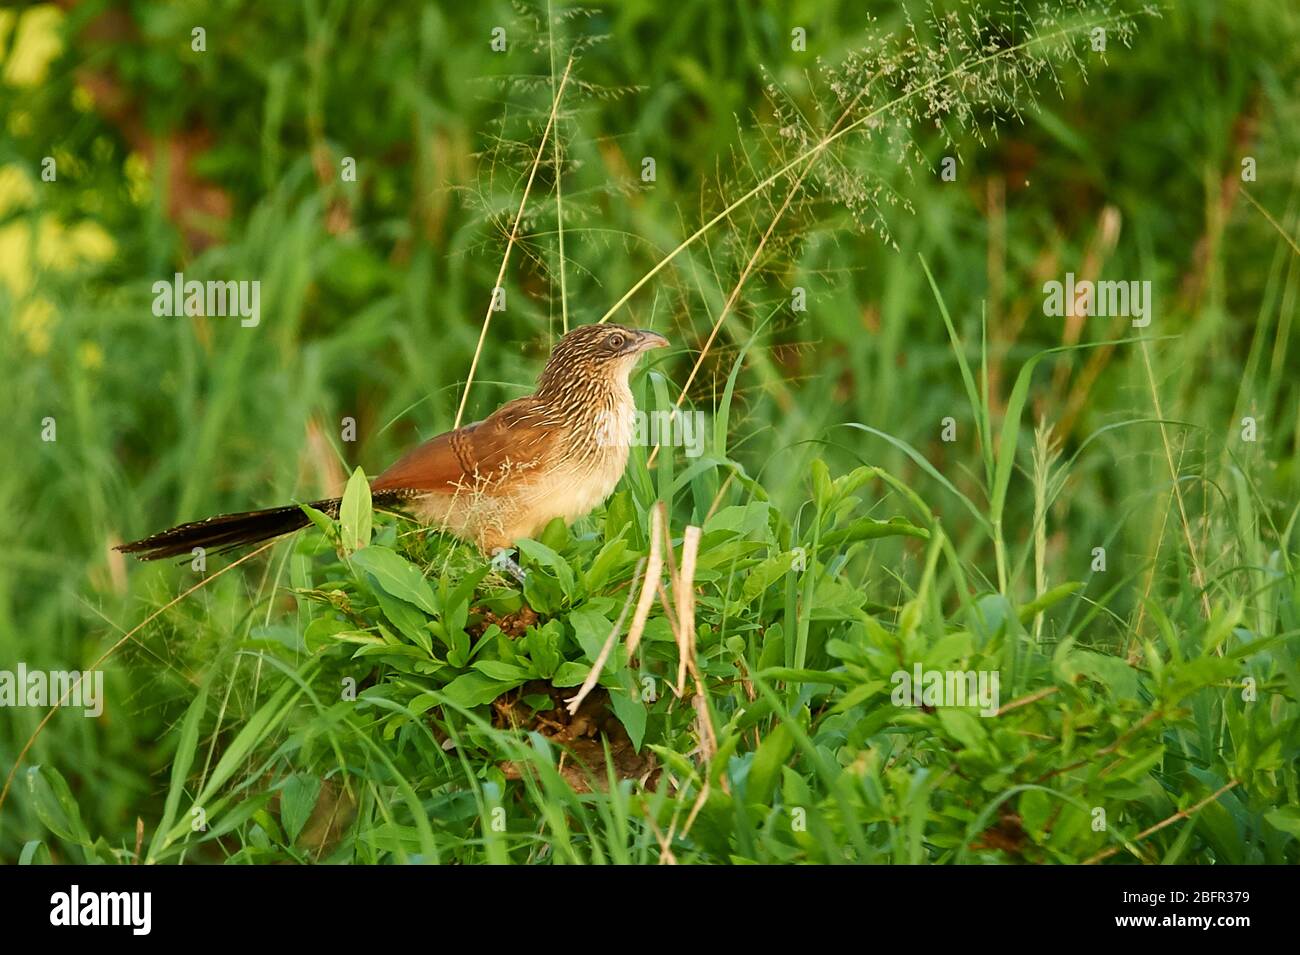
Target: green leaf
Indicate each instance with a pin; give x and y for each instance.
(791, 675)
(773, 651)
(35, 853)
(620, 516)
(766, 768)
(608, 558)
(56, 807)
(1036, 812)
(186, 747)
(408, 619)
(543, 594)
(821, 482)
(836, 600)
(977, 406)
(591, 630)
(256, 731)
(322, 521)
(964, 727)
(631, 712)
(741, 519)
(542, 645)
(864, 528)
(396, 576)
(502, 671)
(1285, 819)
(1047, 599)
(455, 611)
(949, 649)
(759, 578)
(475, 689)
(570, 673)
(862, 693)
(297, 800)
(1110, 671)
(355, 514)
(541, 554)
(1140, 764)
(924, 464)
(230, 819)
(556, 534)
(722, 418)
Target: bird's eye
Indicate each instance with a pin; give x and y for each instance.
(615, 342)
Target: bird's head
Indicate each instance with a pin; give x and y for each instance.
(591, 356)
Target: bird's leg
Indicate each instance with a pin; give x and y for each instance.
(501, 560)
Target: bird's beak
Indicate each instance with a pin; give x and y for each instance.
(647, 340)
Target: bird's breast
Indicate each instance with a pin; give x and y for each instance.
(578, 473)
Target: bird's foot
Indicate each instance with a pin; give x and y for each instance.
(502, 561)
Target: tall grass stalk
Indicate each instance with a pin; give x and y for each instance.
(510, 241)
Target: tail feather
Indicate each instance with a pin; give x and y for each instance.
(227, 531)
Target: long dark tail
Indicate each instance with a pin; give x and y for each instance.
(226, 531)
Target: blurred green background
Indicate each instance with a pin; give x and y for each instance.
(225, 163)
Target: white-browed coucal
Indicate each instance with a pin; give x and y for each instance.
(558, 452)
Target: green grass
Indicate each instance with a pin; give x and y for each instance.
(843, 538)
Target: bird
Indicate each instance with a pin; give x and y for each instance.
(558, 452)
